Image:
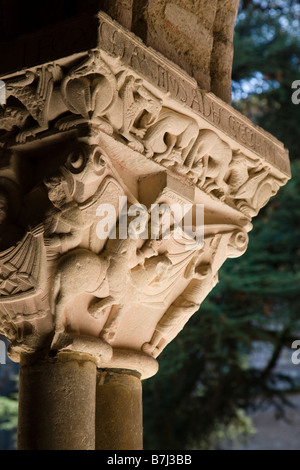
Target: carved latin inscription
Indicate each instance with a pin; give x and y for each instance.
(170, 79)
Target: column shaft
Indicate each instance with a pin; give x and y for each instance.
(57, 404)
(119, 420)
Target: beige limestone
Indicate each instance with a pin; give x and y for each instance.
(222, 52)
(88, 130)
(198, 36)
(99, 127)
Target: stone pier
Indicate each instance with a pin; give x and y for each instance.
(108, 153)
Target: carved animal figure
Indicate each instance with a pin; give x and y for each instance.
(216, 156)
(88, 91)
(135, 110)
(77, 272)
(251, 184)
(11, 117)
(42, 101)
(151, 272)
(171, 137)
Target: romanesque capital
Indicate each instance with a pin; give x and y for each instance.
(103, 155)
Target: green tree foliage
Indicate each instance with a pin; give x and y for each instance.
(267, 57)
(8, 412)
(206, 379)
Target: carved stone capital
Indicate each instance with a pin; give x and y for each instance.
(119, 127)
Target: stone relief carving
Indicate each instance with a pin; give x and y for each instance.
(214, 156)
(40, 97)
(118, 102)
(50, 266)
(181, 310)
(202, 274)
(23, 299)
(251, 183)
(171, 137)
(21, 267)
(135, 110)
(88, 90)
(40, 267)
(172, 81)
(152, 271)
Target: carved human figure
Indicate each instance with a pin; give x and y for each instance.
(79, 270)
(63, 221)
(202, 274)
(75, 192)
(180, 311)
(121, 255)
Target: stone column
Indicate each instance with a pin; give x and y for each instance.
(57, 403)
(119, 410)
(106, 157)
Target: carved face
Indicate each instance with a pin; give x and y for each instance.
(56, 190)
(82, 171)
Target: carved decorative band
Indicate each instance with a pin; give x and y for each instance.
(155, 68)
(147, 142)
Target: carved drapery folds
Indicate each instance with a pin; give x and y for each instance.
(102, 128)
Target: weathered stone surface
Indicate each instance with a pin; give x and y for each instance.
(121, 10)
(222, 52)
(196, 35)
(119, 122)
(183, 32)
(103, 154)
(174, 83)
(118, 411)
(57, 403)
